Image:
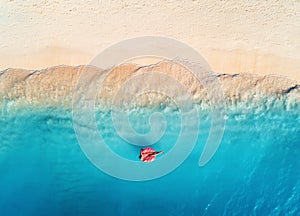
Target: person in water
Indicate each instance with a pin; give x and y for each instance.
(148, 154)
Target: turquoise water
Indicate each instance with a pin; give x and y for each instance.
(256, 170)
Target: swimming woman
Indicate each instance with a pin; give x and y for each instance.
(148, 154)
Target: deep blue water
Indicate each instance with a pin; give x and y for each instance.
(256, 170)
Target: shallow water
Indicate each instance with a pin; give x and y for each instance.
(256, 170)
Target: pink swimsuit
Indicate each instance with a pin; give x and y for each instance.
(145, 156)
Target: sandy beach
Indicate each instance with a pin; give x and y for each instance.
(233, 36)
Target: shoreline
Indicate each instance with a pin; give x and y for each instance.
(222, 61)
(55, 86)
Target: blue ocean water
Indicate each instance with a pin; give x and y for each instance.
(256, 170)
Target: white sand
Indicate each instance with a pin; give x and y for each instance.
(234, 36)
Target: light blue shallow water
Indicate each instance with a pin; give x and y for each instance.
(256, 170)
